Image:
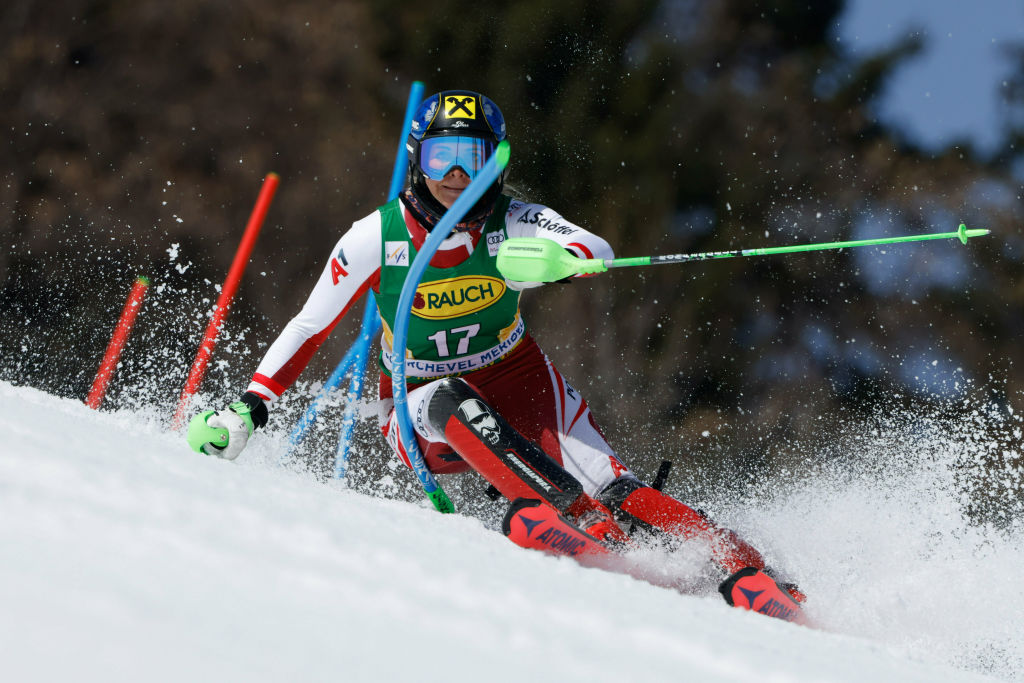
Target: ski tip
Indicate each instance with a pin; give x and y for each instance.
(963, 233)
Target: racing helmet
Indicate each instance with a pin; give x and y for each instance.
(454, 128)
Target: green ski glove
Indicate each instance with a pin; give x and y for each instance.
(221, 433)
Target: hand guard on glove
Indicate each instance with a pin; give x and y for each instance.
(225, 433)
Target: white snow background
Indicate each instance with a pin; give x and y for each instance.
(124, 556)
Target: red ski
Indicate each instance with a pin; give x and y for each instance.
(531, 523)
(754, 590)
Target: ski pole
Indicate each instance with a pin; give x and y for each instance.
(488, 174)
(535, 259)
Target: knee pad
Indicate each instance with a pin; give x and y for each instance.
(455, 396)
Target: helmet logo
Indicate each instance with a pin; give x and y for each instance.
(460, 106)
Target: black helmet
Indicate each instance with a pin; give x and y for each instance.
(472, 126)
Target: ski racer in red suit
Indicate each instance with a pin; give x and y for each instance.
(483, 394)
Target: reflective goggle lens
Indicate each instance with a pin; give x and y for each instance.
(440, 155)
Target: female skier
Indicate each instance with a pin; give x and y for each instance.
(484, 396)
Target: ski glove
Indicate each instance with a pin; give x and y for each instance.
(518, 286)
(225, 433)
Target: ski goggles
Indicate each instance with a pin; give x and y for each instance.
(440, 155)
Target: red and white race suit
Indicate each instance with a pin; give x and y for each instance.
(523, 386)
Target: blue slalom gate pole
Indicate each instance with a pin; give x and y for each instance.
(371, 319)
(439, 234)
(309, 417)
(360, 350)
(354, 361)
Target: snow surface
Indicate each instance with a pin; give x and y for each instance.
(124, 556)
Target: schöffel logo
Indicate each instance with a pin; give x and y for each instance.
(457, 296)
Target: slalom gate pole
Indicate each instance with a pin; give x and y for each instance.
(439, 234)
(354, 361)
(371, 319)
(227, 294)
(360, 352)
(309, 416)
(533, 259)
(117, 341)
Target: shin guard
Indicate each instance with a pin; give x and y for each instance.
(518, 468)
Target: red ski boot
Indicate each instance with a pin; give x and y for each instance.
(752, 589)
(594, 518)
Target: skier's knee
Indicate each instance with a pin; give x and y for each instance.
(511, 463)
(453, 395)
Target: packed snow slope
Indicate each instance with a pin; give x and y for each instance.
(126, 557)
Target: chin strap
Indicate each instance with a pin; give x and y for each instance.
(425, 217)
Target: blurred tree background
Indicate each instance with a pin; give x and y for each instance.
(138, 134)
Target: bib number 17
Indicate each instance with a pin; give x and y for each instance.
(462, 334)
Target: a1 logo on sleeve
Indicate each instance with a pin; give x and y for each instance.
(396, 253)
(337, 271)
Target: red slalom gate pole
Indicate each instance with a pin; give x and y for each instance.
(117, 342)
(227, 294)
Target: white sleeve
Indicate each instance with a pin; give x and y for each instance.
(352, 268)
(536, 220)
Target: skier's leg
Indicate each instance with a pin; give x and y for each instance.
(557, 417)
(512, 464)
(749, 585)
(437, 454)
(585, 453)
(653, 510)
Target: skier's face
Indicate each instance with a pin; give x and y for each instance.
(448, 189)
(450, 162)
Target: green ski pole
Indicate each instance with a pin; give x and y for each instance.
(535, 259)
